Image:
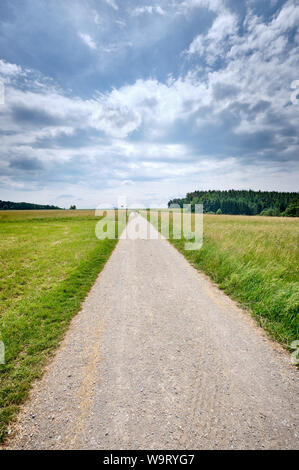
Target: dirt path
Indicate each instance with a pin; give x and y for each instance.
(159, 358)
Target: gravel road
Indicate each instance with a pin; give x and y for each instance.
(159, 358)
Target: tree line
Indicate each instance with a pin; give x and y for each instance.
(244, 202)
(9, 206)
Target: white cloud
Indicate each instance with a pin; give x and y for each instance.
(117, 113)
(87, 39)
(267, 37)
(197, 45)
(221, 34)
(112, 3)
(150, 9)
(160, 10)
(222, 39)
(96, 18)
(156, 106)
(121, 22)
(187, 5)
(8, 69)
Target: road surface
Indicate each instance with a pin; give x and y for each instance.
(159, 358)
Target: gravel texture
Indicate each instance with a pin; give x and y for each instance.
(159, 358)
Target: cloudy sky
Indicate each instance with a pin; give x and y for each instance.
(147, 99)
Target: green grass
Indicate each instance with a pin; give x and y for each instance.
(48, 264)
(255, 261)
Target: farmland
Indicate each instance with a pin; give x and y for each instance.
(45, 214)
(49, 260)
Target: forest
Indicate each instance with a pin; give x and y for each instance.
(13, 206)
(243, 202)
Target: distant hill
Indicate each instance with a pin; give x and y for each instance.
(243, 202)
(21, 206)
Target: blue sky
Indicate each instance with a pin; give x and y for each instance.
(147, 100)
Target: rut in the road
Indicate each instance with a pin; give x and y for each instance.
(159, 358)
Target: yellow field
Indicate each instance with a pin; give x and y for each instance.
(17, 215)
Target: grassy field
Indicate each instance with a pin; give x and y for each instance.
(22, 215)
(255, 261)
(48, 262)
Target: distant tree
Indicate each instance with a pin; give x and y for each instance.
(73, 208)
(271, 212)
(292, 210)
(219, 212)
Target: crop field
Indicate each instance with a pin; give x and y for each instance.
(45, 214)
(48, 261)
(255, 261)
